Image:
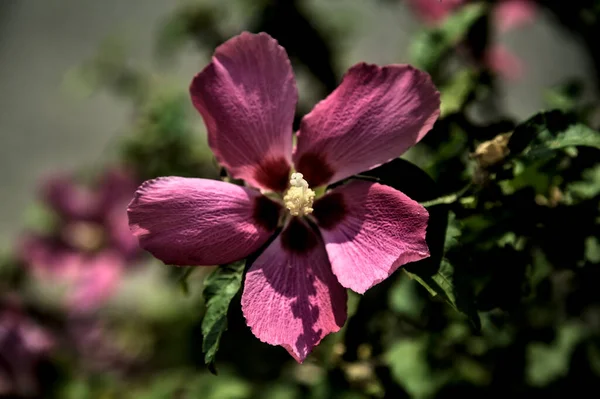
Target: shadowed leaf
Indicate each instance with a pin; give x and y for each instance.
(219, 289)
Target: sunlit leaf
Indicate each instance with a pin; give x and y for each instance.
(407, 360)
(548, 362)
(220, 288)
(455, 93)
(548, 131)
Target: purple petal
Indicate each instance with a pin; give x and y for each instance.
(375, 115)
(185, 221)
(291, 298)
(247, 97)
(369, 231)
(69, 199)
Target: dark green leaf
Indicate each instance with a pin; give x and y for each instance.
(431, 45)
(548, 131)
(447, 282)
(565, 96)
(219, 289)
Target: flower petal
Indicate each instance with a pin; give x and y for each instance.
(247, 97)
(434, 12)
(184, 221)
(98, 278)
(69, 199)
(511, 14)
(291, 298)
(375, 115)
(503, 62)
(369, 231)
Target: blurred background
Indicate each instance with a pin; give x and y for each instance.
(94, 101)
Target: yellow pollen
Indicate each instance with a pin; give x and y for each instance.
(299, 198)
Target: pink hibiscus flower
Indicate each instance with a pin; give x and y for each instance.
(91, 245)
(506, 15)
(433, 12)
(354, 236)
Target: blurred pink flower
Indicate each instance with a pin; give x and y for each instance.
(511, 14)
(506, 15)
(354, 237)
(92, 243)
(501, 61)
(433, 12)
(23, 344)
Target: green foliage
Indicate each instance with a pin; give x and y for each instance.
(408, 363)
(549, 362)
(548, 131)
(448, 283)
(220, 288)
(455, 93)
(163, 126)
(431, 45)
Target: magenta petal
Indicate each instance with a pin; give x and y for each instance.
(375, 115)
(185, 221)
(291, 298)
(369, 231)
(97, 280)
(247, 97)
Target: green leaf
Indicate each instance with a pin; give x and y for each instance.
(549, 362)
(549, 131)
(454, 94)
(407, 360)
(431, 45)
(587, 188)
(219, 289)
(447, 282)
(565, 96)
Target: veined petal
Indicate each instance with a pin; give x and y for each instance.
(374, 115)
(247, 97)
(291, 298)
(370, 230)
(185, 221)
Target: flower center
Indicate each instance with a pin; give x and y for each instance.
(84, 235)
(299, 198)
